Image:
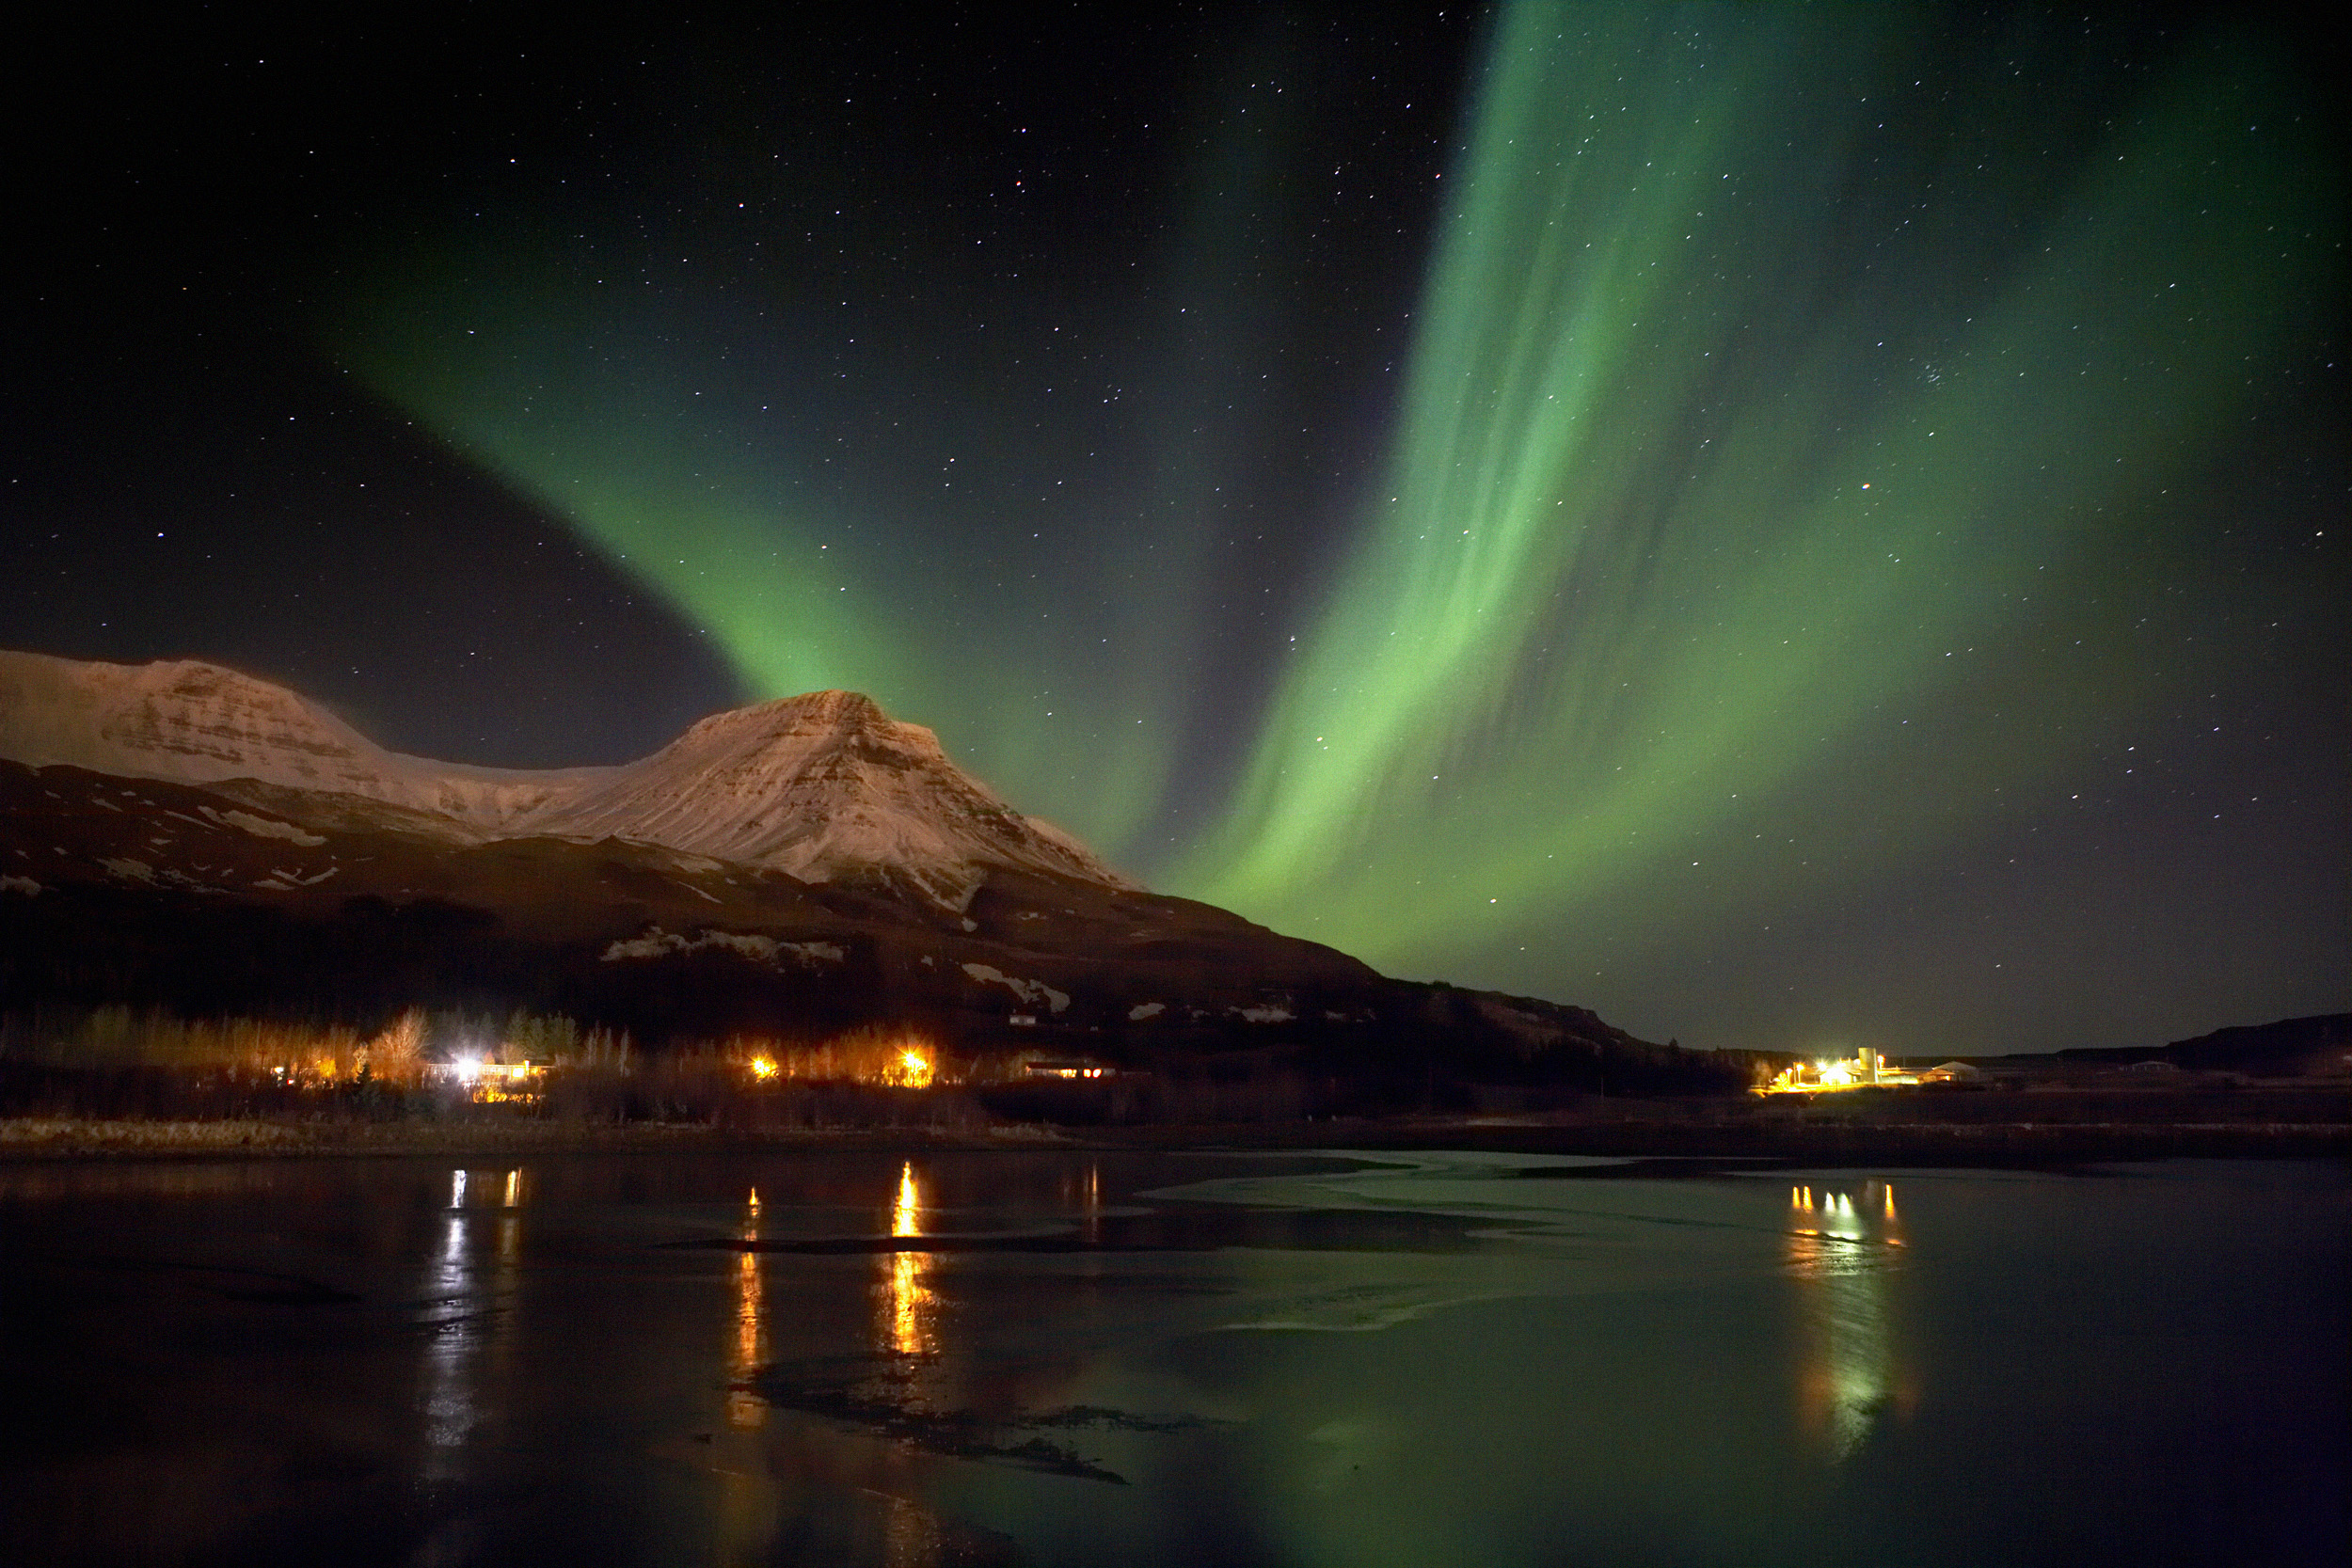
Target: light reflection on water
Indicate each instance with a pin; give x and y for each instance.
(909, 1304)
(908, 1335)
(748, 1350)
(449, 1402)
(1439, 1359)
(1843, 1253)
(467, 1318)
(911, 1534)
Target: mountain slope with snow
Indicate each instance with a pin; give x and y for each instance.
(827, 788)
(192, 722)
(824, 787)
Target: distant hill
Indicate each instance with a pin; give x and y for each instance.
(2292, 1047)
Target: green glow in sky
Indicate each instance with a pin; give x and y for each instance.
(557, 393)
(688, 456)
(1792, 441)
(1677, 536)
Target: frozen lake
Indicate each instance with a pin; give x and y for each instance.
(1072, 1358)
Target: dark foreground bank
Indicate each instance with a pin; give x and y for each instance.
(2035, 1128)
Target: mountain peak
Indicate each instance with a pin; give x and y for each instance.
(835, 709)
(828, 787)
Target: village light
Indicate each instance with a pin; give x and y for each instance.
(468, 1069)
(763, 1068)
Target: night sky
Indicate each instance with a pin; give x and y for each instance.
(1793, 527)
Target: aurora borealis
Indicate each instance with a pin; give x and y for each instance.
(1788, 527)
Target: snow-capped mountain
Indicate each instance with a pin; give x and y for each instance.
(824, 787)
(827, 788)
(198, 724)
(239, 898)
(183, 838)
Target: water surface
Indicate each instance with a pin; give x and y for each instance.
(1076, 1358)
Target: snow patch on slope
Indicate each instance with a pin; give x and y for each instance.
(658, 942)
(1031, 991)
(261, 827)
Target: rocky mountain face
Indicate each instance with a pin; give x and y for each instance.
(182, 836)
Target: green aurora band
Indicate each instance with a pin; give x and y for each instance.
(1723, 546)
(696, 470)
(1673, 542)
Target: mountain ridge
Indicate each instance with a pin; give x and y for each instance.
(823, 785)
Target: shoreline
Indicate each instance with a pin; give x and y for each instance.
(1748, 1141)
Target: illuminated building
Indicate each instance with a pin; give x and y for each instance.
(1064, 1067)
(1865, 1069)
(488, 1081)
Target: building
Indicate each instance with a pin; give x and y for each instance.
(1865, 1069)
(490, 1082)
(1064, 1067)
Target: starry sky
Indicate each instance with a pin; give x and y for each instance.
(1791, 527)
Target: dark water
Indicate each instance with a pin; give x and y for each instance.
(1064, 1358)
